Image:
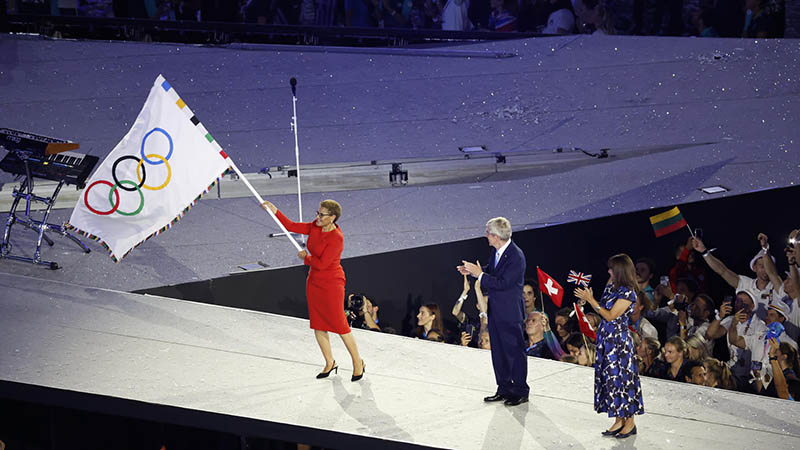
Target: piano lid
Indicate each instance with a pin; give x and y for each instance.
(43, 145)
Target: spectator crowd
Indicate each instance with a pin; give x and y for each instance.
(704, 18)
(743, 339)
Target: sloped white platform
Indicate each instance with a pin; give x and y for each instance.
(259, 369)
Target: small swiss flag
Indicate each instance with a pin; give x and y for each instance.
(550, 287)
(583, 322)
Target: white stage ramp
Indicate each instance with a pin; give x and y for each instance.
(253, 373)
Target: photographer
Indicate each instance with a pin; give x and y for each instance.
(362, 312)
(746, 334)
(788, 291)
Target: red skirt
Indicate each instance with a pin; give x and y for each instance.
(325, 297)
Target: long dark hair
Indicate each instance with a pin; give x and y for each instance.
(624, 272)
(438, 322)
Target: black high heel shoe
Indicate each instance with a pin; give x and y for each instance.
(363, 369)
(335, 368)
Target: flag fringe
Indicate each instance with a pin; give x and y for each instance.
(155, 233)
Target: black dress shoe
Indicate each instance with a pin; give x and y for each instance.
(624, 435)
(611, 432)
(494, 398)
(516, 401)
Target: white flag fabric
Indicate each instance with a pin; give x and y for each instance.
(165, 163)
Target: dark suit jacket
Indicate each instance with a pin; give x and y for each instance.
(504, 283)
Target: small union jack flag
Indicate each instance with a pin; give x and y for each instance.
(579, 278)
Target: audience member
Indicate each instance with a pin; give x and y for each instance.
(534, 329)
(429, 318)
(641, 326)
(697, 349)
(593, 16)
(645, 271)
(675, 353)
(718, 375)
(744, 328)
(688, 266)
(788, 290)
(759, 288)
(503, 16)
(650, 364)
(785, 368)
(565, 324)
(561, 21)
(764, 19)
(695, 373)
(455, 15)
(529, 294)
(778, 313)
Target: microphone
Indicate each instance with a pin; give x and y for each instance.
(293, 82)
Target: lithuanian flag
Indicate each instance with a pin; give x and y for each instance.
(667, 222)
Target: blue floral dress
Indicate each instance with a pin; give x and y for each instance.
(616, 374)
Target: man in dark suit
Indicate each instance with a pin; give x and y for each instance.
(504, 276)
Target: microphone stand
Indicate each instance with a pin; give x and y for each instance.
(293, 125)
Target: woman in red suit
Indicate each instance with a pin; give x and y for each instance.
(325, 282)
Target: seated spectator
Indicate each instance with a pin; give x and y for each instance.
(785, 368)
(705, 23)
(572, 359)
(429, 318)
(645, 271)
(697, 348)
(694, 322)
(649, 363)
(483, 339)
(565, 324)
(587, 355)
(594, 320)
(455, 15)
(367, 315)
(695, 373)
(673, 314)
(561, 21)
(434, 335)
(639, 325)
(542, 343)
(529, 294)
(688, 266)
(573, 343)
(759, 288)
(718, 375)
(675, 354)
(764, 19)
(593, 17)
(503, 17)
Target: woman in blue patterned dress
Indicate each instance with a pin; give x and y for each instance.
(616, 374)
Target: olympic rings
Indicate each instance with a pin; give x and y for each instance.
(169, 154)
(142, 176)
(130, 185)
(116, 180)
(114, 191)
(114, 205)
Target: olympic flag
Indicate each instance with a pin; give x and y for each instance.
(165, 163)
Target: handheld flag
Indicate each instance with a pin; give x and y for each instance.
(154, 175)
(667, 222)
(579, 278)
(583, 323)
(550, 287)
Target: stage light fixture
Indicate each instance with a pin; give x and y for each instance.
(714, 189)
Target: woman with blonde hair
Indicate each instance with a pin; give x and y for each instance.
(675, 354)
(718, 374)
(697, 348)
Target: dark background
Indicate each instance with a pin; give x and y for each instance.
(400, 281)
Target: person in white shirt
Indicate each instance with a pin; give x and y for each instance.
(759, 288)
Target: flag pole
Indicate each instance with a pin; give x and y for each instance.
(261, 201)
(690, 230)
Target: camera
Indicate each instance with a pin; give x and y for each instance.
(356, 302)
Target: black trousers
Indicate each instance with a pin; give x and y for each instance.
(507, 340)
